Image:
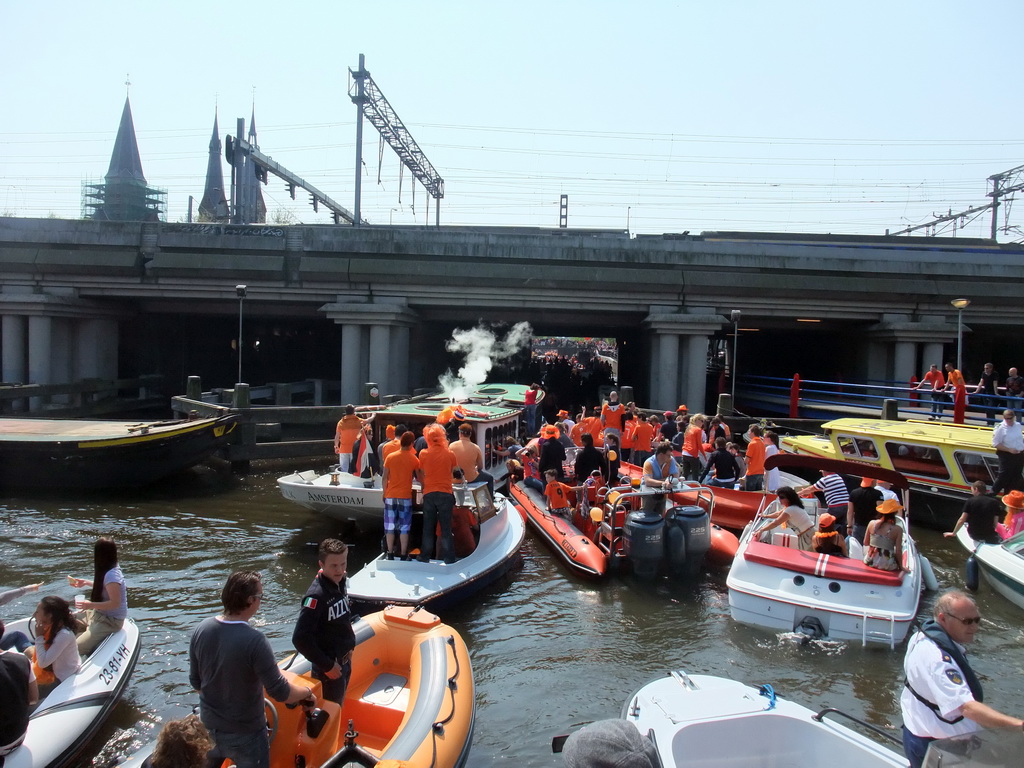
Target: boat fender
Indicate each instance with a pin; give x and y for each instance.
(928, 575)
(971, 573)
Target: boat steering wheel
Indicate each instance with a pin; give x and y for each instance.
(270, 712)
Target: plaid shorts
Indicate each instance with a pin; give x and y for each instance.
(398, 515)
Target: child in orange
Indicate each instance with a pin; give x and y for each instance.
(560, 496)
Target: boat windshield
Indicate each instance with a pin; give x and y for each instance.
(857, 447)
(976, 750)
(917, 460)
(1015, 544)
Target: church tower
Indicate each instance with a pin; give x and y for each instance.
(124, 195)
(214, 206)
(255, 209)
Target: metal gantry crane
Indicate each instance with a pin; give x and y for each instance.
(370, 101)
(1003, 184)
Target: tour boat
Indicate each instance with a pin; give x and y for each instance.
(493, 410)
(937, 457)
(616, 534)
(64, 722)
(699, 721)
(775, 585)
(1002, 564)
(488, 534)
(80, 454)
(410, 701)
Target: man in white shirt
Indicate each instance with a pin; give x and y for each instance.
(1008, 440)
(942, 696)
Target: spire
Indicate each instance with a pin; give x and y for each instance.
(214, 206)
(125, 162)
(256, 208)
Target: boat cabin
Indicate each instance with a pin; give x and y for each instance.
(938, 458)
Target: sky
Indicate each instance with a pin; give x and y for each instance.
(822, 117)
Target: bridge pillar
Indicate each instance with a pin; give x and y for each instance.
(674, 381)
(374, 345)
(893, 344)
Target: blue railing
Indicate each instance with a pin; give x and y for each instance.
(807, 397)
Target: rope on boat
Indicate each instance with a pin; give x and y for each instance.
(768, 691)
(453, 686)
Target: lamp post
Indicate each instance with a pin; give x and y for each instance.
(960, 305)
(240, 290)
(735, 316)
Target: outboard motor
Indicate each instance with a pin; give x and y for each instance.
(687, 539)
(644, 537)
(810, 629)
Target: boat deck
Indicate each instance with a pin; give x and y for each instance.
(48, 430)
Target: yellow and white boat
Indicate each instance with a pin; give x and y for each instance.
(937, 458)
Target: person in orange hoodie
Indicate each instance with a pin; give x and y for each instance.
(693, 451)
(754, 479)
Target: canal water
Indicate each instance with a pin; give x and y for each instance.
(550, 652)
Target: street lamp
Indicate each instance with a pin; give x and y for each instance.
(240, 290)
(960, 305)
(735, 316)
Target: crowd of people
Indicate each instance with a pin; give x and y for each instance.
(991, 392)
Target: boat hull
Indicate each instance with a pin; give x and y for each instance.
(350, 500)
(437, 584)
(574, 548)
(699, 720)
(86, 455)
(1002, 565)
(65, 721)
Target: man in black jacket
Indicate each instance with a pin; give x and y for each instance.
(323, 632)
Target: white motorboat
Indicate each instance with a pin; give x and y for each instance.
(701, 721)
(493, 410)
(1002, 564)
(488, 536)
(774, 585)
(67, 719)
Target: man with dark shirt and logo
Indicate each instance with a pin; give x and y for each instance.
(323, 632)
(981, 513)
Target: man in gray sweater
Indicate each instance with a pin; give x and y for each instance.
(230, 663)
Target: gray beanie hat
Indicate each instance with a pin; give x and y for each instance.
(609, 744)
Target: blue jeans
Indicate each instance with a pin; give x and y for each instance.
(248, 750)
(334, 690)
(15, 639)
(915, 747)
(533, 482)
(437, 508)
(531, 420)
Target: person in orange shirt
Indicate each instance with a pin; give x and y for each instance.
(387, 448)
(643, 435)
(628, 441)
(401, 467)
(576, 434)
(592, 424)
(437, 463)
(936, 382)
(954, 382)
(559, 495)
(345, 436)
(693, 447)
(612, 413)
(755, 459)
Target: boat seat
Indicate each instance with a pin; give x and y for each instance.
(825, 566)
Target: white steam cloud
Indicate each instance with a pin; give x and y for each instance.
(482, 349)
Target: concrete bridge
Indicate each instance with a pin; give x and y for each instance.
(88, 299)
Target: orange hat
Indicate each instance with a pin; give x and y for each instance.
(562, 414)
(891, 506)
(866, 482)
(434, 434)
(550, 432)
(682, 408)
(1014, 500)
(389, 431)
(826, 520)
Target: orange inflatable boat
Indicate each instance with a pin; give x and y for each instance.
(410, 702)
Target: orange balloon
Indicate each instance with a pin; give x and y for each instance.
(612, 455)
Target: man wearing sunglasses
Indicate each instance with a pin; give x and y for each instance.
(942, 696)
